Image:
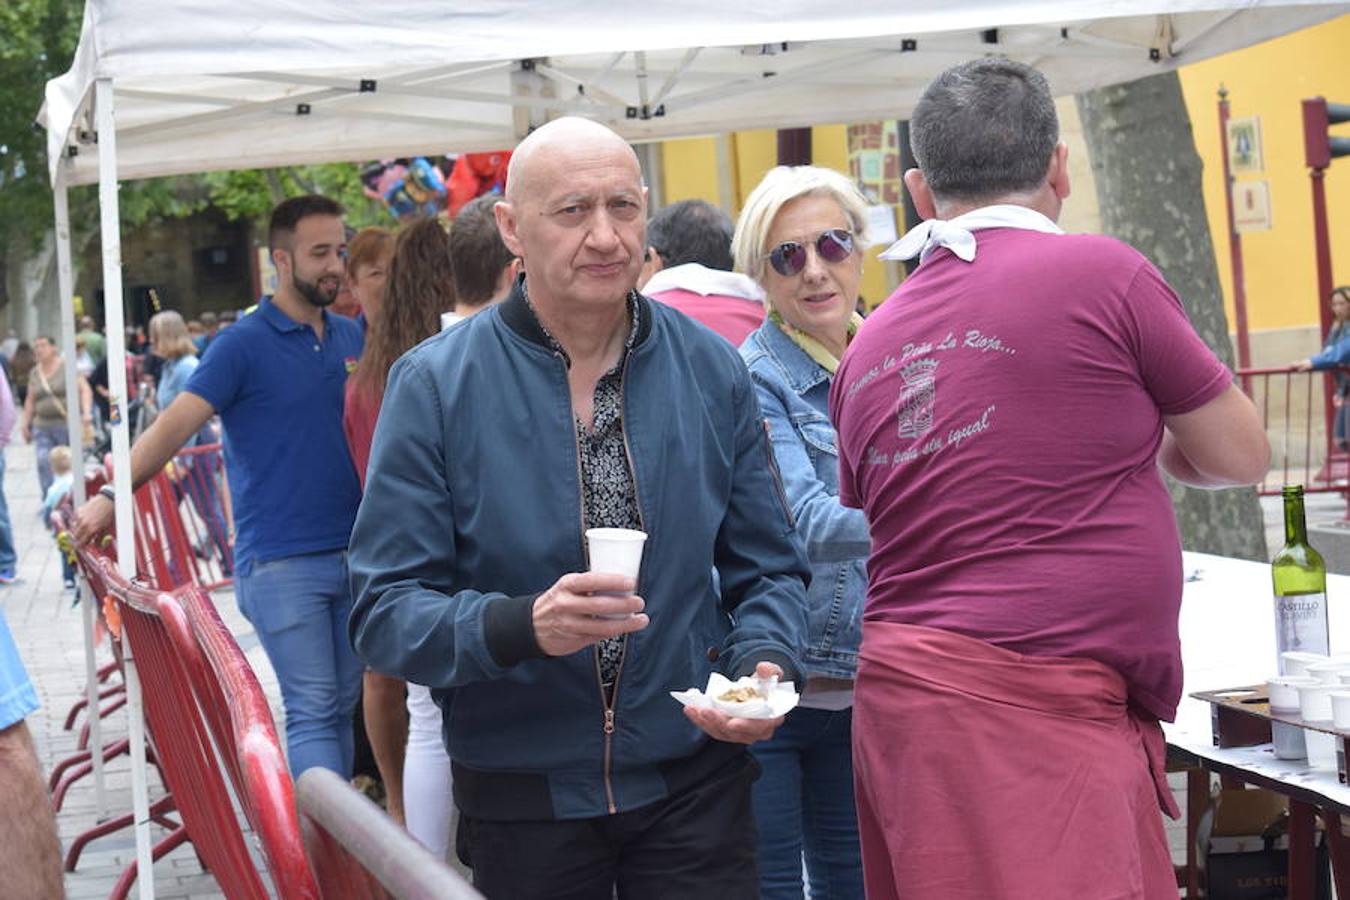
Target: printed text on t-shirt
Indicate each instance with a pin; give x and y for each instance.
(917, 395)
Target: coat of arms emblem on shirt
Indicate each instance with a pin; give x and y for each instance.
(914, 410)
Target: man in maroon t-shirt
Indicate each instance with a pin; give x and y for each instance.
(689, 268)
(1002, 419)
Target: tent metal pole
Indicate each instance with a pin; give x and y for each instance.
(110, 230)
(65, 282)
(74, 412)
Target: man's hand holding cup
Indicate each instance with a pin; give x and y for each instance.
(584, 608)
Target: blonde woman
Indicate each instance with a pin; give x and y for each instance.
(800, 237)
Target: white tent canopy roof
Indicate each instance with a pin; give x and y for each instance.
(200, 87)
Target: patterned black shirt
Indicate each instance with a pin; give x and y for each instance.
(610, 493)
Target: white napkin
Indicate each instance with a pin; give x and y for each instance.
(778, 697)
(956, 234)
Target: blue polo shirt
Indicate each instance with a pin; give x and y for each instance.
(17, 697)
(279, 392)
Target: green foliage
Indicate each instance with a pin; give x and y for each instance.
(37, 43)
(251, 193)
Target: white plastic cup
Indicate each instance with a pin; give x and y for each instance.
(1288, 739)
(1328, 672)
(1296, 662)
(617, 551)
(1315, 707)
(1284, 691)
(1321, 749)
(1314, 701)
(1340, 710)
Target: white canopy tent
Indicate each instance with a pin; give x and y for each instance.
(278, 82)
(159, 89)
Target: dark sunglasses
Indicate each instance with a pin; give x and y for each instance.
(789, 257)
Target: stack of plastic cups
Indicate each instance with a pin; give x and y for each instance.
(1315, 708)
(1288, 738)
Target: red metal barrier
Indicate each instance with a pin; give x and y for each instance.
(59, 523)
(359, 853)
(239, 718)
(66, 772)
(182, 530)
(94, 562)
(1300, 424)
(159, 630)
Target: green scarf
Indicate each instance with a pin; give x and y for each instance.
(812, 347)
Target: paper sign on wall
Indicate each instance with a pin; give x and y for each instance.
(1251, 206)
(1244, 145)
(881, 224)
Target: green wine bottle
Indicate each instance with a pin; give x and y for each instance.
(1300, 578)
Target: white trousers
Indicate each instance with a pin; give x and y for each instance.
(427, 804)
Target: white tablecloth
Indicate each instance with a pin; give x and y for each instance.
(1228, 640)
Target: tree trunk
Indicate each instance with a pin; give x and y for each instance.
(30, 283)
(1147, 175)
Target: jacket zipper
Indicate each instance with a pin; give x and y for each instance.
(612, 701)
(607, 704)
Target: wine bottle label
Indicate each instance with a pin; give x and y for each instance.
(1301, 623)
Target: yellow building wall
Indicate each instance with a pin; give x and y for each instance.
(1269, 80)
(689, 172)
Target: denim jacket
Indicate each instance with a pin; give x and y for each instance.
(794, 394)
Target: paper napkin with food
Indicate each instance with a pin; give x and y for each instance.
(745, 698)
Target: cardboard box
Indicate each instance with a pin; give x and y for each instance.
(1246, 851)
(1257, 869)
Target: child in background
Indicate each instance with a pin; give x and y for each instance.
(62, 480)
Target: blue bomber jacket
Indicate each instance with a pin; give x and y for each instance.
(473, 507)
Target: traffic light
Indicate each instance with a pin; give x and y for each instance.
(1319, 146)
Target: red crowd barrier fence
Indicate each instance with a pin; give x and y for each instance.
(236, 712)
(182, 522)
(206, 717)
(359, 853)
(1300, 415)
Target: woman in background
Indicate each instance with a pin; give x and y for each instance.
(172, 343)
(419, 288)
(44, 407)
(368, 257)
(1336, 352)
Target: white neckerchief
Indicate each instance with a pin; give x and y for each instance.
(702, 280)
(955, 234)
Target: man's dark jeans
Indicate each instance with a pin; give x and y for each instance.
(697, 845)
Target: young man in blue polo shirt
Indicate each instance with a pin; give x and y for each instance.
(276, 378)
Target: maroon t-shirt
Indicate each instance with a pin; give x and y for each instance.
(999, 422)
(731, 317)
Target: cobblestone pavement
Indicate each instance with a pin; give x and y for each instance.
(48, 630)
